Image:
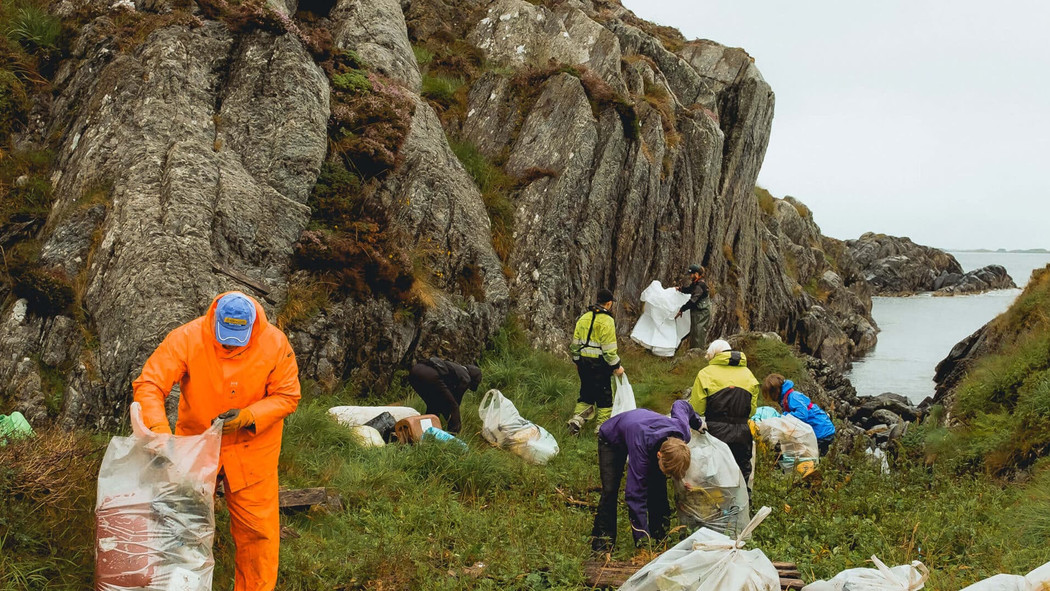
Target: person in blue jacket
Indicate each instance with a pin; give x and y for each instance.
(657, 448)
(800, 406)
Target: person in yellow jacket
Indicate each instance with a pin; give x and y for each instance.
(725, 393)
(593, 351)
(234, 365)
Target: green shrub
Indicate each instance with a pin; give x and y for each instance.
(496, 187)
(766, 201)
(353, 82)
(34, 28)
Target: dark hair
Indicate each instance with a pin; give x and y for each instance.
(604, 295)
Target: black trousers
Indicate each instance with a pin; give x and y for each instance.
(612, 460)
(742, 454)
(595, 382)
(441, 401)
(824, 444)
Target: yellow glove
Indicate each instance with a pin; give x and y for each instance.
(161, 428)
(236, 419)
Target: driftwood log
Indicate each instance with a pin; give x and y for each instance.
(612, 574)
(299, 499)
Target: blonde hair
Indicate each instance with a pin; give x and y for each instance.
(674, 457)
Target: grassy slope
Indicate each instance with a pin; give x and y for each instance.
(1003, 402)
(413, 515)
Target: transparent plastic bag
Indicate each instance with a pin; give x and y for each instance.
(709, 561)
(155, 512)
(712, 493)
(504, 427)
(623, 395)
(1037, 580)
(906, 577)
(798, 442)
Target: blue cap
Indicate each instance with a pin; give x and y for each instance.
(234, 317)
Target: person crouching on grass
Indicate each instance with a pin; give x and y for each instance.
(657, 447)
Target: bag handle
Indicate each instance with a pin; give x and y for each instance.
(738, 543)
(904, 585)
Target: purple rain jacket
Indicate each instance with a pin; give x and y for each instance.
(642, 431)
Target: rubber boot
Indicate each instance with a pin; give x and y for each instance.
(580, 415)
(603, 415)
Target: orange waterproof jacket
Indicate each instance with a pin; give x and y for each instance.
(261, 376)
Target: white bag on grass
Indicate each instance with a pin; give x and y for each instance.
(709, 561)
(504, 427)
(623, 395)
(798, 442)
(352, 416)
(1037, 580)
(658, 330)
(906, 577)
(155, 513)
(712, 493)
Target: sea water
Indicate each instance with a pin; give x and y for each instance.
(917, 332)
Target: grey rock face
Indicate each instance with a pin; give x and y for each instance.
(207, 149)
(897, 265)
(376, 30)
(984, 279)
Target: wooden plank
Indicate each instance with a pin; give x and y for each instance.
(302, 497)
(256, 285)
(785, 565)
(791, 583)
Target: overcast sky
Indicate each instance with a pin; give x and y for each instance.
(926, 119)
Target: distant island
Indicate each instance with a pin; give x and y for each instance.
(1001, 250)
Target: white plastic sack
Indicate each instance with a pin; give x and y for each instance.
(155, 514)
(1037, 580)
(712, 493)
(879, 456)
(906, 577)
(709, 561)
(797, 441)
(367, 436)
(352, 416)
(504, 427)
(623, 395)
(658, 330)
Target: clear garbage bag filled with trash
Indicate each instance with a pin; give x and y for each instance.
(906, 577)
(504, 427)
(798, 442)
(155, 513)
(709, 561)
(712, 493)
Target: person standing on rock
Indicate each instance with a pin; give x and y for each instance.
(657, 446)
(441, 384)
(232, 364)
(725, 393)
(698, 306)
(799, 405)
(593, 351)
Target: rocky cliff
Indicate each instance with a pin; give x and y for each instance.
(898, 266)
(392, 179)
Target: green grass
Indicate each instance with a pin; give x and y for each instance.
(29, 24)
(495, 186)
(1003, 402)
(441, 89)
(414, 514)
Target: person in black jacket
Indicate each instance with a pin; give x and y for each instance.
(699, 306)
(441, 384)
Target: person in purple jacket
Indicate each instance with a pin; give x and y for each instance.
(656, 446)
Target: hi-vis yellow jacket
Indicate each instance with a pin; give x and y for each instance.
(595, 336)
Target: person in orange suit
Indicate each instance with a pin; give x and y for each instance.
(232, 364)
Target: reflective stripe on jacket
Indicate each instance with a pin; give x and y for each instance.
(728, 368)
(599, 324)
(262, 376)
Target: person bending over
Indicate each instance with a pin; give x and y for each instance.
(441, 384)
(657, 447)
(799, 405)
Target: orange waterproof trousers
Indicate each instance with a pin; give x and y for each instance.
(256, 527)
